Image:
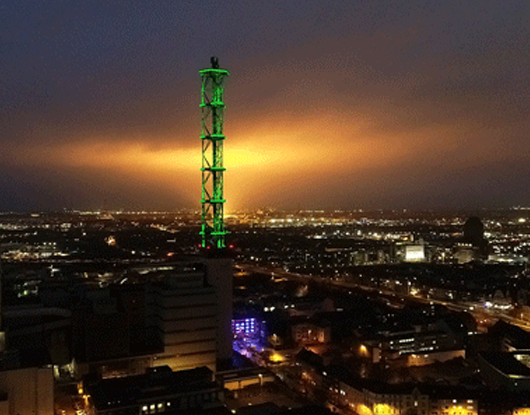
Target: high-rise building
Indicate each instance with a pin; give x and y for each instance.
(186, 313)
(220, 274)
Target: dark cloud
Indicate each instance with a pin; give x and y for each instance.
(442, 80)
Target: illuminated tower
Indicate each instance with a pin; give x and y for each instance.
(212, 106)
(219, 269)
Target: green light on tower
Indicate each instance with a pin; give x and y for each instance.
(212, 107)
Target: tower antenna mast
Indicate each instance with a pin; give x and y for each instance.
(212, 201)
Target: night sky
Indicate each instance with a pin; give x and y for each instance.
(330, 104)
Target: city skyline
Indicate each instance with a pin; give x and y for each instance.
(350, 105)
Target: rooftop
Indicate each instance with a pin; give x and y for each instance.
(157, 382)
(506, 363)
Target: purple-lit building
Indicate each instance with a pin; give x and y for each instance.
(249, 327)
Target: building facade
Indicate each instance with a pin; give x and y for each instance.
(186, 314)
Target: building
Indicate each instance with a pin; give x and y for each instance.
(311, 333)
(415, 253)
(509, 338)
(405, 339)
(187, 318)
(159, 390)
(220, 274)
(239, 379)
(409, 252)
(348, 392)
(473, 231)
(505, 370)
(113, 332)
(423, 359)
(27, 390)
(465, 253)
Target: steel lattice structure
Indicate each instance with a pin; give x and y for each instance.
(212, 107)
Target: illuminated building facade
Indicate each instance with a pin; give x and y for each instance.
(247, 327)
(187, 317)
(381, 399)
(414, 340)
(27, 391)
(372, 397)
(310, 333)
(423, 359)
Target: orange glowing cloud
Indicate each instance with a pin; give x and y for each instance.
(277, 159)
(309, 142)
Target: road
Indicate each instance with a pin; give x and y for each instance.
(484, 316)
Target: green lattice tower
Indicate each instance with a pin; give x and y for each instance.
(212, 107)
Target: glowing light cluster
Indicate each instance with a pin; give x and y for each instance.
(249, 326)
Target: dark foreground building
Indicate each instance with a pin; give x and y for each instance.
(160, 390)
